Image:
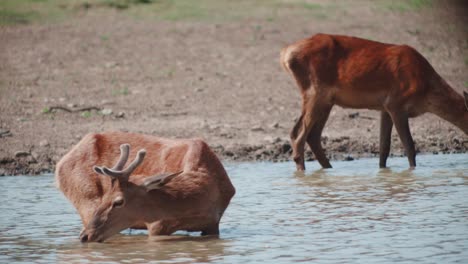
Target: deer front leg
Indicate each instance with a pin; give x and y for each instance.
(314, 139)
(386, 125)
(402, 126)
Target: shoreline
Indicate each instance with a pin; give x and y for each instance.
(41, 163)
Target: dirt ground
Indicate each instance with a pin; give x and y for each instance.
(217, 79)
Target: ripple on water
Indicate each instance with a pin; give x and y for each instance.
(354, 212)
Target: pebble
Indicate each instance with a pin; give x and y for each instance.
(120, 114)
(22, 154)
(257, 128)
(275, 125)
(106, 111)
(44, 143)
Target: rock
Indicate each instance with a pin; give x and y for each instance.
(2, 172)
(199, 90)
(120, 114)
(106, 102)
(5, 133)
(275, 125)
(72, 105)
(106, 111)
(348, 158)
(257, 128)
(285, 148)
(19, 154)
(44, 143)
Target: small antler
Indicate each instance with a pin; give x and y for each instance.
(117, 171)
(124, 149)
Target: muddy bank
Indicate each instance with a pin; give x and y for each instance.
(344, 148)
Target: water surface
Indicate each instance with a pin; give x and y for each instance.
(354, 212)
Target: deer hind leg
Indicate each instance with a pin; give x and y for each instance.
(314, 139)
(313, 110)
(400, 119)
(386, 125)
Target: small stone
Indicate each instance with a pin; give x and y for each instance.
(2, 172)
(348, 158)
(198, 90)
(44, 143)
(5, 133)
(72, 105)
(285, 148)
(106, 111)
(275, 125)
(62, 99)
(257, 128)
(19, 154)
(120, 114)
(107, 102)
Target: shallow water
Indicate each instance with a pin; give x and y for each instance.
(354, 212)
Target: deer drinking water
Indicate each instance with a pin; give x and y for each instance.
(358, 73)
(170, 185)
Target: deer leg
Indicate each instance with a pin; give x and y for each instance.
(313, 110)
(313, 140)
(212, 230)
(295, 130)
(386, 125)
(402, 126)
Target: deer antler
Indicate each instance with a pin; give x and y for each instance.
(124, 149)
(117, 171)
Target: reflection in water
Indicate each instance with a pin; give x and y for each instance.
(354, 212)
(140, 248)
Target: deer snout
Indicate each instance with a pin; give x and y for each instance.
(89, 236)
(84, 237)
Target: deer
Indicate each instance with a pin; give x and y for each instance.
(358, 73)
(171, 185)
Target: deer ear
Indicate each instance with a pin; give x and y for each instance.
(158, 181)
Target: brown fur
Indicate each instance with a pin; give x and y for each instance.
(358, 73)
(194, 200)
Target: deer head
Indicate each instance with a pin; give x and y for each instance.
(121, 205)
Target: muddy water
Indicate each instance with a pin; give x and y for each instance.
(354, 212)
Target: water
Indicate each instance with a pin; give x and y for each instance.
(352, 213)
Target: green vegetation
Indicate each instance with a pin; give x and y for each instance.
(86, 114)
(30, 11)
(407, 5)
(46, 110)
(123, 91)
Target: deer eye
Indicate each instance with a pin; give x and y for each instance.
(118, 202)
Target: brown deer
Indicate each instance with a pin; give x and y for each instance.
(171, 185)
(359, 73)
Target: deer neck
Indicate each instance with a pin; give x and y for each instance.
(446, 103)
